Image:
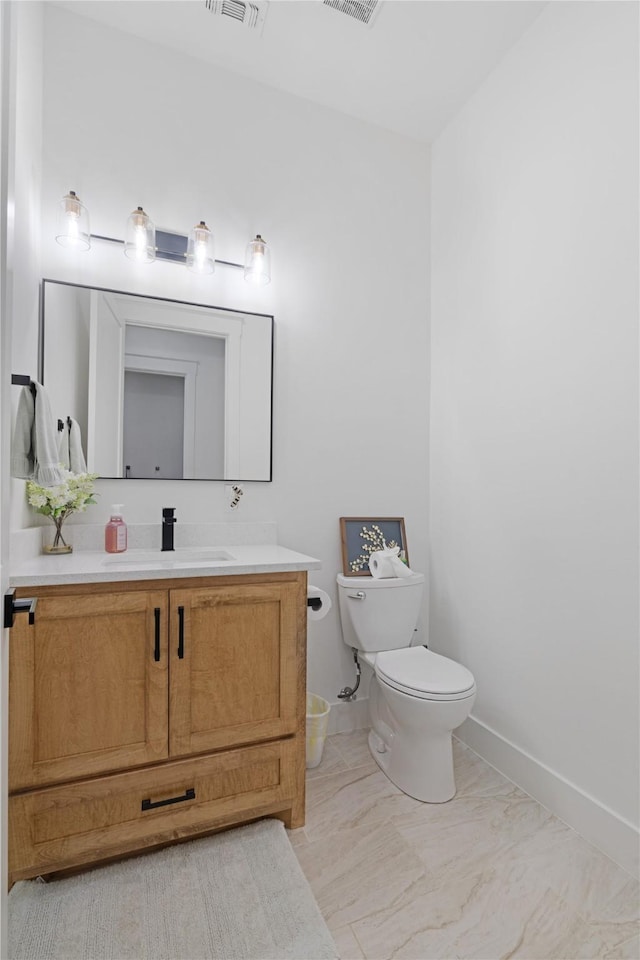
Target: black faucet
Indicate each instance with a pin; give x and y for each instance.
(168, 521)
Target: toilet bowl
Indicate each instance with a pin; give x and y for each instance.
(416, 697)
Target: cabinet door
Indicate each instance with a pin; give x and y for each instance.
(233, 674)
(88, 687)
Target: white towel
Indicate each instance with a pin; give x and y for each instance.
(76, 456)
(63, 446)
(35, 448)
(21, 448)
(70, 453)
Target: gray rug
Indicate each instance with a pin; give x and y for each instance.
(239, 894)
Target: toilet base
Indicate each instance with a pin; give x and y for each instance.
(430, 781)
(411, 740)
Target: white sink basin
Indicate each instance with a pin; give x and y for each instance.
(181, 557)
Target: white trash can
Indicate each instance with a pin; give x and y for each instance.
(317, 723)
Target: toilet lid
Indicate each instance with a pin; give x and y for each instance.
(423, 673)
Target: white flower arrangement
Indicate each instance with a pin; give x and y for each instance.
(73, 495)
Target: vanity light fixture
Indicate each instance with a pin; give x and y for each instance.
(257, 262)
(73, 223)
(140, 238)
(200, 257)
(145, 244)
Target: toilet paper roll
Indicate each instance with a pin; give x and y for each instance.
(318, 603)
(384, 565)
(380, 565)
(400, 569)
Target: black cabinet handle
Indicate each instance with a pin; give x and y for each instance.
(151, 805)
(180, 633)
(156, 651)
(13, 606)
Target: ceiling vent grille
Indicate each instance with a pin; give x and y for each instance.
(362, 10)
(250, 13)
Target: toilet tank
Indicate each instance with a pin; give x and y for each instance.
(379, 614)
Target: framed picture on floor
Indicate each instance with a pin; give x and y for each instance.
(361, 536)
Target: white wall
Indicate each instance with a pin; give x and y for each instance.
(534, 428)
(20, 172)
(344, 207)
(24, 208)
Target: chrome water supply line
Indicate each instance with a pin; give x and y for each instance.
(349, 693)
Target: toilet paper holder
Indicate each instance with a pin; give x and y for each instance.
(318, 603)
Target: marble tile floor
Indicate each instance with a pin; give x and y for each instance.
(491, 874)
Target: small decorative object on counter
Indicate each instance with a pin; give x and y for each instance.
(73, 495)
(115, 532)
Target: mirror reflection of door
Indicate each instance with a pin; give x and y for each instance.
(173, 414)
(153, 425)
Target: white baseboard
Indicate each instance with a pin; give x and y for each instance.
(347, 717)
(613, 835)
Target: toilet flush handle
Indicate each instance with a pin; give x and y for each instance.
(360, 595)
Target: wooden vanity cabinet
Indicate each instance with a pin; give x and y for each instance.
(145, 712)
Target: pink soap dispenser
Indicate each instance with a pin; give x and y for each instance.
(115, 532)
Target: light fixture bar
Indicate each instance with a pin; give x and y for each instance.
(144, 244)
(169, 246)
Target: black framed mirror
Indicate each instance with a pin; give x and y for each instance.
(160, 389)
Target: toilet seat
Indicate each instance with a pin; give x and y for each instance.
(422, 673)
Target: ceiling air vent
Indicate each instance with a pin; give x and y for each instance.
(250, 13)
(362, 10)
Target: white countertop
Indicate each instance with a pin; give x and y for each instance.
(96, 566)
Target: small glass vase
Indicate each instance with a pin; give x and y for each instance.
(53, 542)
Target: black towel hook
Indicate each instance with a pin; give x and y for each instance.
(19, 379)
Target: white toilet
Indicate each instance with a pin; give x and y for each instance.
(416, 697)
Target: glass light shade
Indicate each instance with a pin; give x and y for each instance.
(73, 223)
(257, 262)
(140, 238)
(200, 256)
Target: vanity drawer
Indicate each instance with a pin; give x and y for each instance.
(65, 826)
